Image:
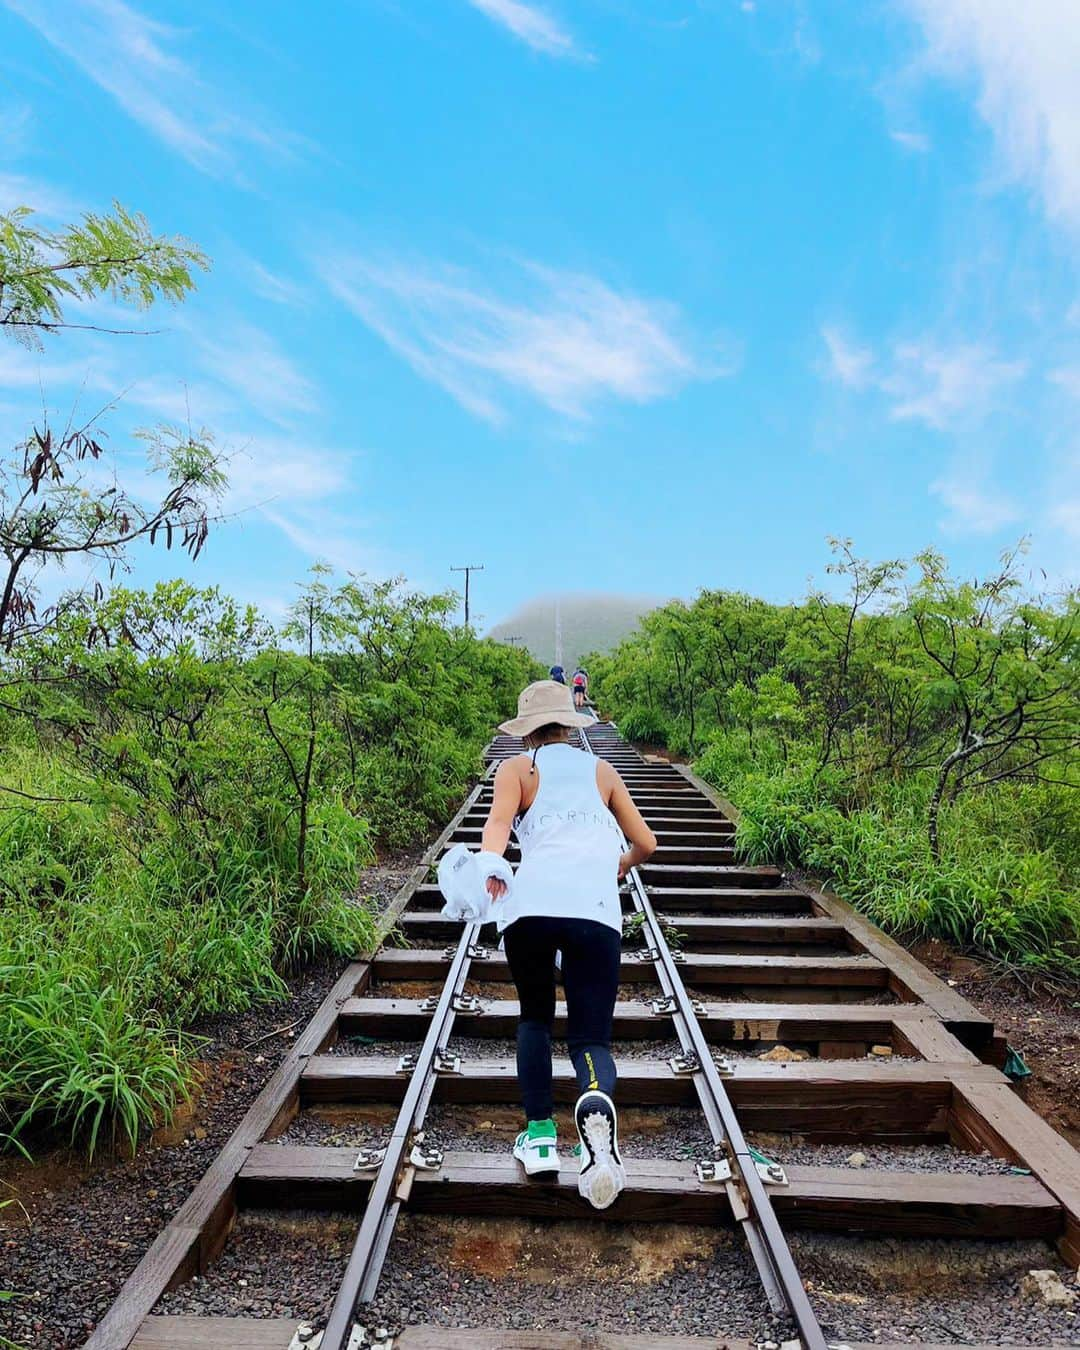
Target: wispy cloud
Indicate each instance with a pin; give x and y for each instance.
(848, 362)
(248, 361)
(1024, 59)
(273, 286)
(309, 492)
(1067, 378)
(18, 189)
(924, 380)
(532, 25)
(915, 141)
(133, 58)
(936, 384)
(972, 507)
(564, 339)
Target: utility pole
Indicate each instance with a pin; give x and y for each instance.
(472, 567)
(558, 632)
(513, 641)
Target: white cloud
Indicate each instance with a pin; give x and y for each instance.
(848, 363)
(23, 369)
(935, 384)
(129, 56)
(532, 25)
(273, 286)
(17, 189)
(973, 509)
(562, 338)
(1066, 516)
(1025, 59)
(924, 380)
(915, 141)
(1067, 378)
(248, 361)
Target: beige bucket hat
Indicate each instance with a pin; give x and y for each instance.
(540, 704)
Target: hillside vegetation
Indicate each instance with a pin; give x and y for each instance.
(590, 623)
(916, 743)
(186, 795)
(187, 790)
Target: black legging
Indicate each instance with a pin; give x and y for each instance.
(590, 976)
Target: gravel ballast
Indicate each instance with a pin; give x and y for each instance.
(514, 1274)
(89, 1225)
(275, 1264)
(949, 1291)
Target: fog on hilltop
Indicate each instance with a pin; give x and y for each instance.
(591, 622)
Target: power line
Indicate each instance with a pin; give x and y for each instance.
(472, 567)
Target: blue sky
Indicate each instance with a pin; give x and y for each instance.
(607, 295)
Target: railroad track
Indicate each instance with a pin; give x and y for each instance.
(722, 960)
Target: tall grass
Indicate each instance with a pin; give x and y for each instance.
(112, 939)
(1004, 886)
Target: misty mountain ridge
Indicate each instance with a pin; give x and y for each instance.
(591, 622)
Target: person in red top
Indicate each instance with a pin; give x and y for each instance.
(580, 684)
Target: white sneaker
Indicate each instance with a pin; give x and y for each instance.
(602, 1174)
(536, 1148)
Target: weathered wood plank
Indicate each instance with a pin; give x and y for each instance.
(926, 1037)
(992, 1116)
(481, 1338)
(471, 1338)
(214, 1333)
(804, 1023)
(909, 976)
(657, 1190)
(839, 1101)
(852, 972)
(682, 874)
(209, 1209)
(172, 1257)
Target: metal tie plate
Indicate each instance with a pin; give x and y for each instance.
(685, 1064)
(663, 1006)
(712, 1170)
(369, 1159)
(476, 952)
(407, 1063)
(466, 1003)
(445, 1062)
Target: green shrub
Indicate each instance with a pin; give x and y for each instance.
(994, 891)
(185, 800)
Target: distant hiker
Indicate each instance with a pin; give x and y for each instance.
(558, 674)
(579, 682)
(570, 812)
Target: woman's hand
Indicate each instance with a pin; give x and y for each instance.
(626, 861)
(496, 888)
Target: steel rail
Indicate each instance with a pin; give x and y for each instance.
(383, 1204)
(393, 1181)
(768, 1246)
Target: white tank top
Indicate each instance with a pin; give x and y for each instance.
(570, 845)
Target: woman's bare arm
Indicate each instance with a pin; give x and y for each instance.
(640, 837)
(505, 805)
